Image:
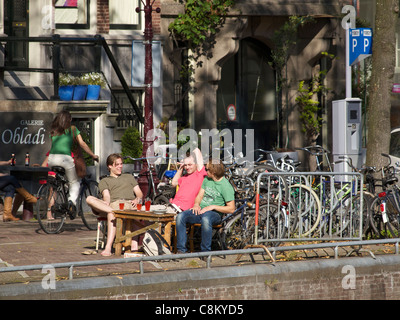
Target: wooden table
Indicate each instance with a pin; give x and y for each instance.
(29, 177)
(124, 218)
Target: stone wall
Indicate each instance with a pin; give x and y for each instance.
(344, 278)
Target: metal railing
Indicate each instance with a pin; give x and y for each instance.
(209, 255)
(300, 206)
(57, 41)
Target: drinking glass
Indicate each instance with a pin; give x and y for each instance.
(139, 205)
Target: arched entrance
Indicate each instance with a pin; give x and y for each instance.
(248, 84)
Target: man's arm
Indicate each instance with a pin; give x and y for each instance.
(106, 196)
(228, 208)
(196, 207)
(177, 176)
(199, 159)
(138, 193)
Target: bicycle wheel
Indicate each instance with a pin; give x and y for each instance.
(273, 224)
(384, 225)
(273, 187)
(236, 233)
(348, 223)
(51, 208)
(89, 188)
(160, 199)
(366, 228)
(304, 201)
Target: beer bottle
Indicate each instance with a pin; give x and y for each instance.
(27, 159)
(12, 159)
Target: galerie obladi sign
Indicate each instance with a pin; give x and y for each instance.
(22, 132)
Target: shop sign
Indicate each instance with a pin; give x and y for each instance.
(231, 112)
(22, 132)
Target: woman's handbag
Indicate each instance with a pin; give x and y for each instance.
(79, 160)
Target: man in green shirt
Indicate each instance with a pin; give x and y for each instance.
(115, 187)
(215, 198)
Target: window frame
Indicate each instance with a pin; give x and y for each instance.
(76, 25)
(124, 26)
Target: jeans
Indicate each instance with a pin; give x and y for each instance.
(67, 162)
(8, 184)
(207, 220)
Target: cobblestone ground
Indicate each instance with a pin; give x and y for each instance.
(24, 243)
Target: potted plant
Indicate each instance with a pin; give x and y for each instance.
(66, 86)
(95, 82)
(131, 145)
(80, 88)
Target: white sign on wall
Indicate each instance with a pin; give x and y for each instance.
(138, 63)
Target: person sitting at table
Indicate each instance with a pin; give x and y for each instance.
(190, 183)
(113, 188)
(10, 185)
(215, 198)
(63, 135)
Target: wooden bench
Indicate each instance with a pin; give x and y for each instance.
(190, 234)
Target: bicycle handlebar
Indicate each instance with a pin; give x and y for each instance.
(319, 150)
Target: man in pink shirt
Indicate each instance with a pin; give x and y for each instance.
(189, 184)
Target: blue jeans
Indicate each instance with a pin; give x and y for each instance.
(207, 220)
(8, 184)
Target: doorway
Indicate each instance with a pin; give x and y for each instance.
(16, 25)
(247, 87)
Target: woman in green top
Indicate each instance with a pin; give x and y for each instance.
(62, 137)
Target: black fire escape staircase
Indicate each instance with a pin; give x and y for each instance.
(57, 67)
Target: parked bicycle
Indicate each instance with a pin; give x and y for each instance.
(52, 207)
(156, 194)
(385, 207)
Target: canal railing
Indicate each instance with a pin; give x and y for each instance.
(356, 246)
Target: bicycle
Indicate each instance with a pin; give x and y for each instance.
(157, 195)
(53, 207)
(239, 228)
(317, 151)
(385, 207)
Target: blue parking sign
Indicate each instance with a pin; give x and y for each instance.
(360, 44)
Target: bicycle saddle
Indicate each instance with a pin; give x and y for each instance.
(58, 169)
(390, 180)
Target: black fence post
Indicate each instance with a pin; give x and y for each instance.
(56, 64)
(97, 53)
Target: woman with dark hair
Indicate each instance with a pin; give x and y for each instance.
(215, 198)
(62, 137)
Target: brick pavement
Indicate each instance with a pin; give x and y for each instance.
(24, 243)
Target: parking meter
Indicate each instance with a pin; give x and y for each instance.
(347, 133)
